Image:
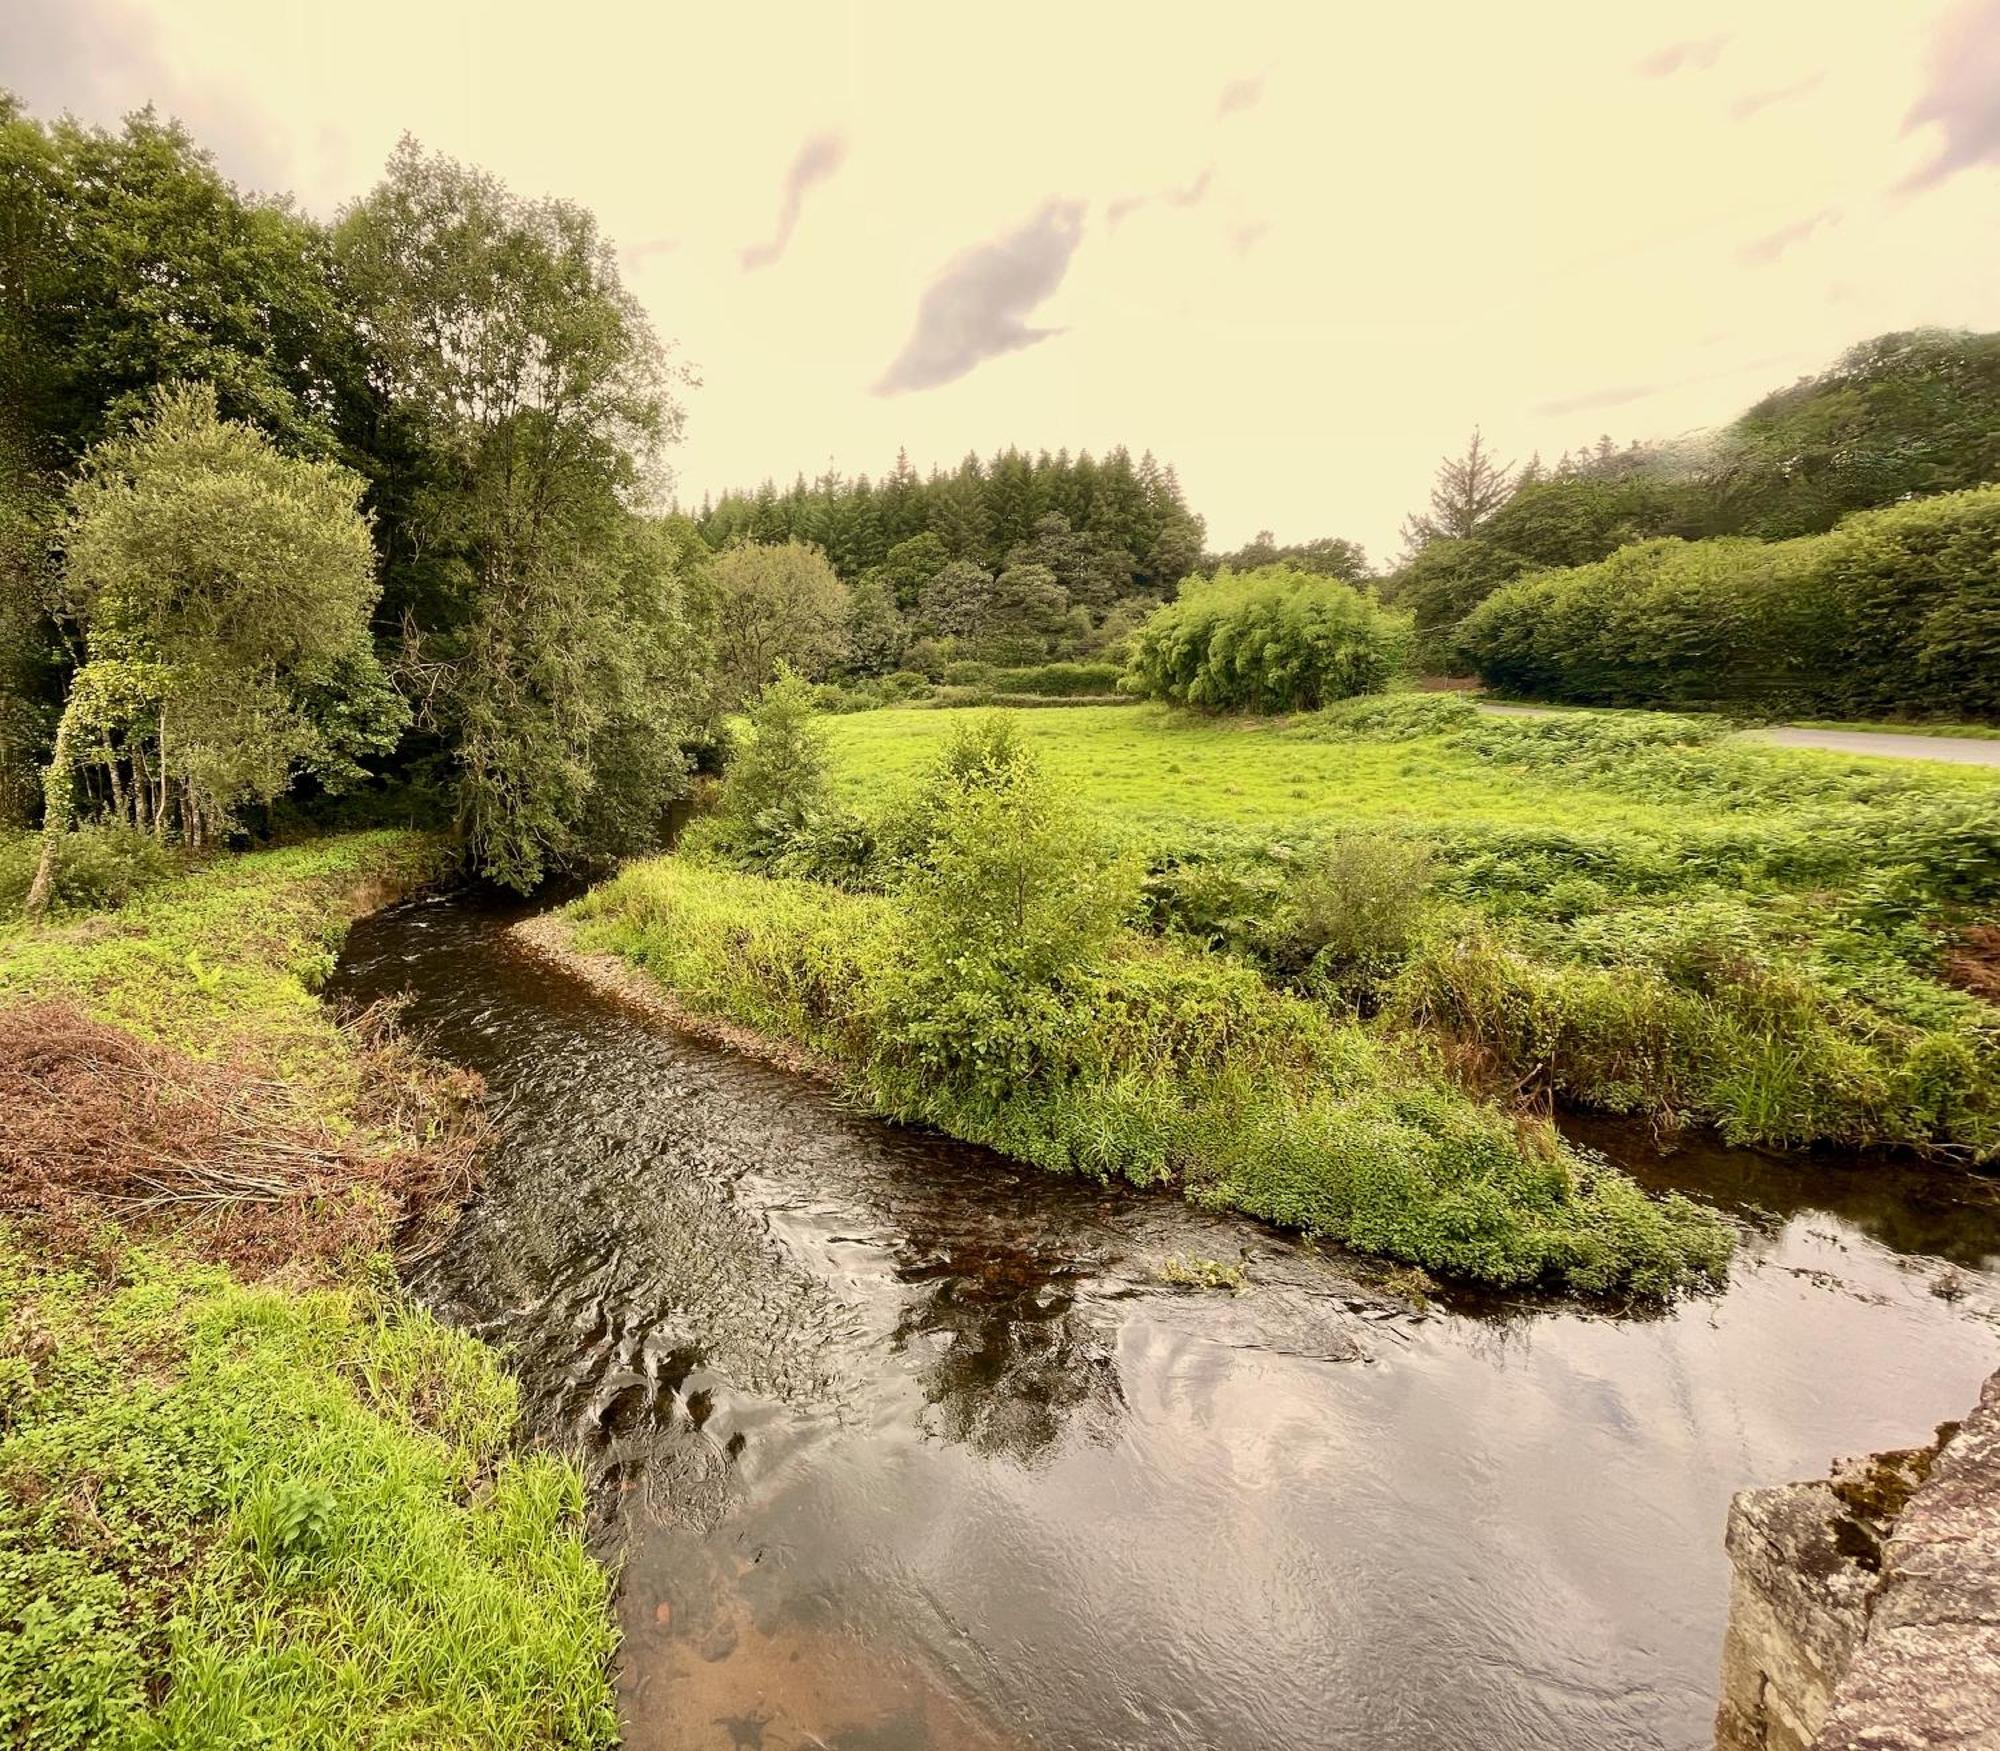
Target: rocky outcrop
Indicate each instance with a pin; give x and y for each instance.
(1865, 1607)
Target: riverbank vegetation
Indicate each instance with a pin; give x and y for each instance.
(994, 991)
(1635, 914)
(250, 1494)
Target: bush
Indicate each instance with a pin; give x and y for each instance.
(1057, 680)
(1111, 1055)
(101, 868)
(1268, 641)
(1896, 610)
(1354, 910)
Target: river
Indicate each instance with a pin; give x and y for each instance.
(901, 1445)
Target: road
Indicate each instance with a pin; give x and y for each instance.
(1886, 744)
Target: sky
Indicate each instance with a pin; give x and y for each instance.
(1296, 250)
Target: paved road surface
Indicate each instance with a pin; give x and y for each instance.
(1964, 750)
(1890, 744)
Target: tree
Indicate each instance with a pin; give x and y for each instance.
(520, 402)
(1326, 557)
(781, 777)
(1023, 614)
(222, 591)
(776, 604)
(128, 260)
(1899, 416)
(954, 601)
(1091, 569)
(1468, 490)
(876, 635)
(912, 564)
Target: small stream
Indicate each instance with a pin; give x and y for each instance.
(905, 1446)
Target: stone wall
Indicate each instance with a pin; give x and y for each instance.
(1865, 1607)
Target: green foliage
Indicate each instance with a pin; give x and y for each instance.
(1008, 897)
(776, 811)
(128, 262)
(1157, 1064)
(1104, 527)
(776, 604)
(235, 1517)
(233, 585)
(1269, 641)
(1899, 416)
(1681, 906)
(1054, 680)
(551, 636)
(1354, 910)
(1327, 557)
(1894, 610)
(98, 869)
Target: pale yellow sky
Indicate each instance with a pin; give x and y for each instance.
(1296, 250)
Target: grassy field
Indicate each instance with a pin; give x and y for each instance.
(1162, 769)
(1631, 910)
(248, 1495)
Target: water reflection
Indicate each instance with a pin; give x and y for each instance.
(902, 1444)
(1013, 1361)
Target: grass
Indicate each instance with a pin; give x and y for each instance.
(225, 956)
(1632, 911)
(285, 1514)
(1167, 1066)
(231, 1516)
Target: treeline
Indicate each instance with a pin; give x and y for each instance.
(285, 503)
(1129, 522)
(1901, 416)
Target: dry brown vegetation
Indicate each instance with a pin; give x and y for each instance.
(96, 1123)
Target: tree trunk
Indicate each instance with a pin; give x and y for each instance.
(58, 803)
(160, 813)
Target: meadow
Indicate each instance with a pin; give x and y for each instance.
(1630, 912)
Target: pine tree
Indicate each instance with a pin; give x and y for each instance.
(1468, 490)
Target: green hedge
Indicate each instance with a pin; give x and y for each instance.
(1895, 610)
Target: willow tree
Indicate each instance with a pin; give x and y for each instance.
(220, 591)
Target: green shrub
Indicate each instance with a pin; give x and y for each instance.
(101, 868)
(1155, 1063)
(1270, 640)
(1057, 680)
(235, 1517)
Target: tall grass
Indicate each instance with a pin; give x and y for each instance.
(1162, 1065)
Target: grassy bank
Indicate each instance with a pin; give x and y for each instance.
(1159, 1065)
(247, 1496)
(1634, 913)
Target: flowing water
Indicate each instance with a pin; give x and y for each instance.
(905, 1446)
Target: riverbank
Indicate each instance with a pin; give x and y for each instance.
(250, 1492)
(890, 1428)
(1626, 914)
(1170, 1067)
